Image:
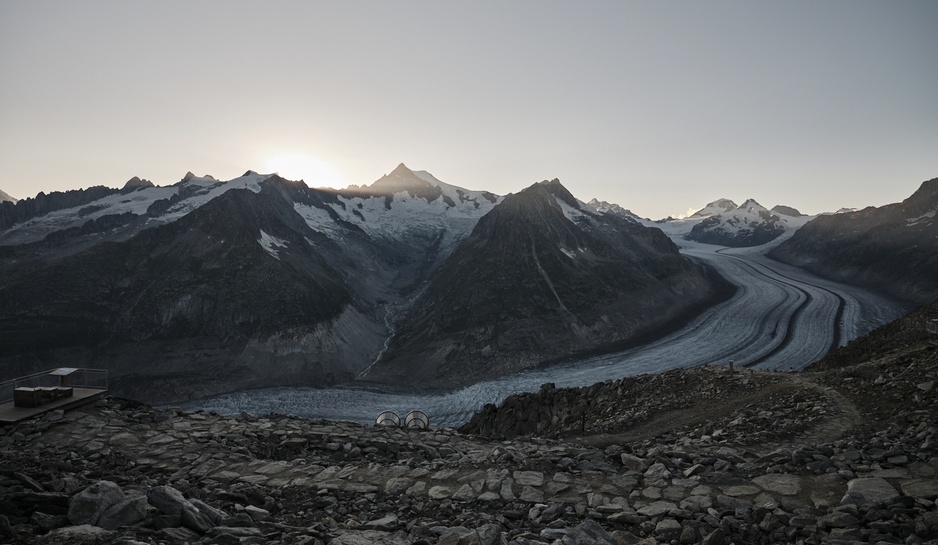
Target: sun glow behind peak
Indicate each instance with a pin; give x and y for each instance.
(301, 166)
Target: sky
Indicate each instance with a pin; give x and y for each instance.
(660, 107)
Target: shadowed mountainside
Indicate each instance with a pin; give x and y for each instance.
(893, 248)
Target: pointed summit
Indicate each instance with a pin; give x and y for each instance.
(401, 170)
(6, 198)
(401, 179)
(751, 205)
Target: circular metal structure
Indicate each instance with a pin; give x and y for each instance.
(388, 418)
(417, 420)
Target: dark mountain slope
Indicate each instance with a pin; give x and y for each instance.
(893, 248)
(530, 284)
(226, 278)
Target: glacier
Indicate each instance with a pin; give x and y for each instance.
(781, 318)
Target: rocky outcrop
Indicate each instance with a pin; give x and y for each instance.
(893, 248)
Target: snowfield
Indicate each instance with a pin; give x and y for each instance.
(780, 318)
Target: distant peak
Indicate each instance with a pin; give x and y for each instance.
(751, 203)
(402, 169)
(135, 183)
(401, 179)
(190, 176)
(249, 173)
(610, 208)
(787, 211)
(718, 206)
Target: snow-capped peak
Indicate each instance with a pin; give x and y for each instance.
(6, 198)
(718, 206)
(752, 207)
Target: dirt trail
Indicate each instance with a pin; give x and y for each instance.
(833, 415)
(844, 416)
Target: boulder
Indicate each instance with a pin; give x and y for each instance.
(869, 491)
(124, 513)
(588, 533)
(171, 501)
(89, 504)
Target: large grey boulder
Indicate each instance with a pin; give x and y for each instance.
(213, 514)
(869, 491)
(925, 489)
(124, 513)
(171, 501)
(89, 504)
(588, 533)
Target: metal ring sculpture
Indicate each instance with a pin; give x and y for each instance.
(388, 418)
(417, 420)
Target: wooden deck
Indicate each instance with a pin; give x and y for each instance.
(80, 396)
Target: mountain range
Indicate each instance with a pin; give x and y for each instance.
(208, 286)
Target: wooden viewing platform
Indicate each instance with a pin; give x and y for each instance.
(64, 388)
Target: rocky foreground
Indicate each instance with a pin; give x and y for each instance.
(848, 455)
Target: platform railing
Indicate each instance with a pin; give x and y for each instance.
(95, 379)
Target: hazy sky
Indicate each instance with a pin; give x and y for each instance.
(657, 106)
